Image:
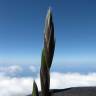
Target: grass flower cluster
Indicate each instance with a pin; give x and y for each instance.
(47, 57)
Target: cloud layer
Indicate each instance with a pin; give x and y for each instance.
(66, 80)
(22, 86)
(10, 69)
(17, 80)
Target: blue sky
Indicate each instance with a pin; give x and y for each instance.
(22, 28)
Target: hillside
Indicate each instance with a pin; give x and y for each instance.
(75, 91)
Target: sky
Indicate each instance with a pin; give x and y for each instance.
(22, 30)
(21, 43)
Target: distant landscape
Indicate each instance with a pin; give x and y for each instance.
(17, 80)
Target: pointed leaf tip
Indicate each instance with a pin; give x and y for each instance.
(35, 89)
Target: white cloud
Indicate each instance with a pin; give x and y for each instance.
(61, 80)
(15, 86)
(10, 69)
(22, 86)
(33, 68)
